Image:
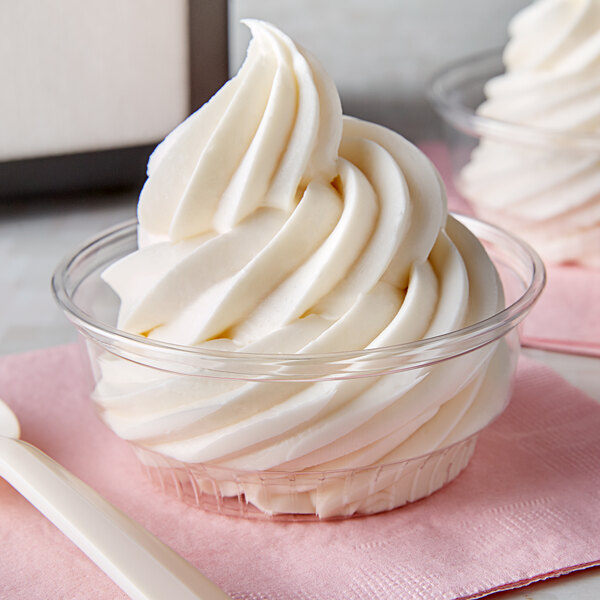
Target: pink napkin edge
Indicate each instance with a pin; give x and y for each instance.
(523, 583)
(578, 347)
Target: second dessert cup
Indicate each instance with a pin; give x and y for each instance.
(539, 183)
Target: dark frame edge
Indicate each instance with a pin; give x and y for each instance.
(209, 60)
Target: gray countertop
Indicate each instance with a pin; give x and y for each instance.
(35, 234)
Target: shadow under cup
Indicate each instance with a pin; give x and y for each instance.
(473, 366)
(543, 185)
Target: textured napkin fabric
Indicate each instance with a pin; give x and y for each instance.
(526, 507)
(567, 315)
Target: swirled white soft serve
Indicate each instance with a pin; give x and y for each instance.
(271, 223)
(545, 188)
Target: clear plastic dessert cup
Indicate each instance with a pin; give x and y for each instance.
(540, 184)
(310, 494)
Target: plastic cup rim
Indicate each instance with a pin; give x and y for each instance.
(443, 346)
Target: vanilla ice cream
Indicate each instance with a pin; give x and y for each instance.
(270, 223)
(545, 188)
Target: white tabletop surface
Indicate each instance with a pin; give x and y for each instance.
(36, 234)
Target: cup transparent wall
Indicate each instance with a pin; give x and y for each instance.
(92, 307)
(545, 191)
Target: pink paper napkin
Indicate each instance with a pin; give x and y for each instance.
(526, 508)
(567, 316)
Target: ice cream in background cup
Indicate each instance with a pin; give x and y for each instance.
(523, 127)
(295, 327)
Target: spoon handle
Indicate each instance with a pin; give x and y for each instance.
(138, 562)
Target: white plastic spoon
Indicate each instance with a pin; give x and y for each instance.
(138, 562)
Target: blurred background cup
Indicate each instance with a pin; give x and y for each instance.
(541, 185)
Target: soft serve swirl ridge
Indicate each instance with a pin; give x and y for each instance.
(271, 223)
(549, 191)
